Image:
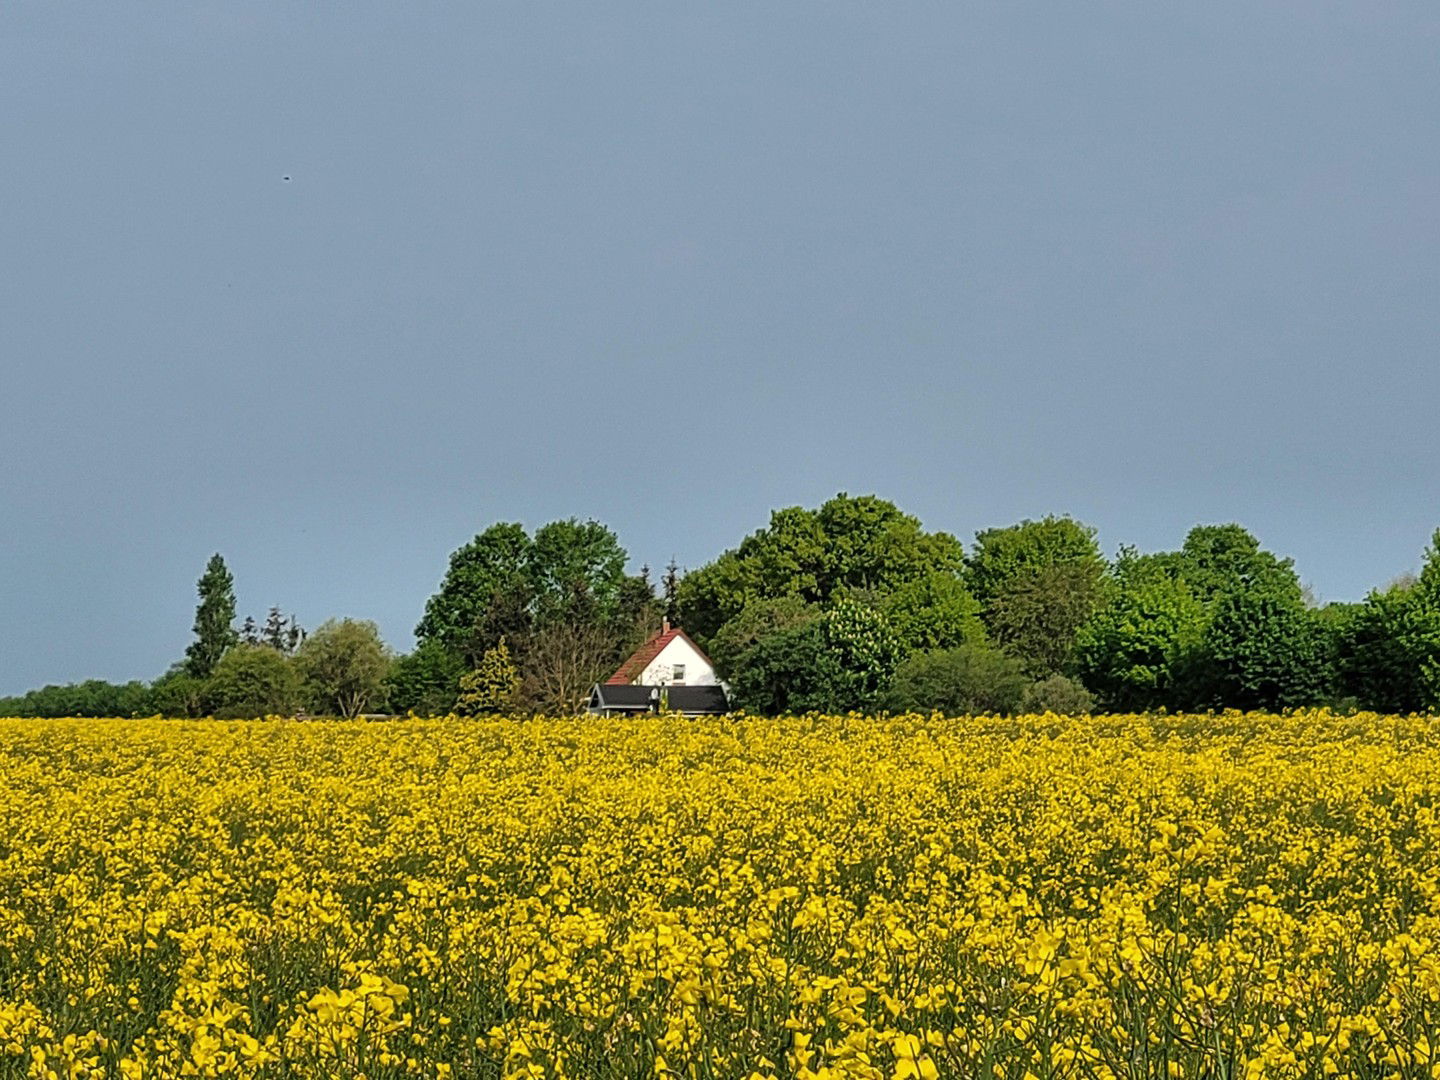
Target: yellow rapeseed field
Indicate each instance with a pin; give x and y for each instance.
(914, 897)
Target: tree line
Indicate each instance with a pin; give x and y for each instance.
(853, 605)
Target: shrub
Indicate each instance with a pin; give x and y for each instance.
(967, 679)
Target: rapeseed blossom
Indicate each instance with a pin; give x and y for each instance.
(819, 897)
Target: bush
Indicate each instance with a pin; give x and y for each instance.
(965, 680)
(425, 681)
(253, 680)
(1057, 694)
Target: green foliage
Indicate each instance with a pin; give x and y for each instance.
(837, 662)
(782, 672)
(968, 679)
(254, 680)
(1218, 560)
(343, 665)
(178, 693)
(1389, 646)
(214, 619)
(760, 619)
(281, 634)
(488, 581)
(93, 697)
(1138, 647)
(851, 545)
(493, 687)
(532, 593)
(1002, 556)
(1423, 641)
(1058, 694)
(426, 681)
(871, 546)
(1263, 649)
(576, 571)
(935, 611)
(1036, 614)
(861, 651)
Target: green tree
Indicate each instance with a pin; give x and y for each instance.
(782, 672)
(1423, 641)
(91, 698)
(253, 680)
(493, 687)
(857, 546)
(488, 575)
(178, 693)
(1036, 615)
(861, 653)
(872, 547)
(1137, 649)
(577, 571)
(214, 619)
(1264, 649)
(836, 662)
(426, 681)
(1003, 555)
(1217, 560)
(760, 619)
(1389, 646)
(935, 611)
(343, 665)
(966, 680)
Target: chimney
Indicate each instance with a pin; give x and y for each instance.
(665, 626)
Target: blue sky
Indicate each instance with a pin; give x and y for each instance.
(671, 266)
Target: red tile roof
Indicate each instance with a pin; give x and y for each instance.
(634, 667)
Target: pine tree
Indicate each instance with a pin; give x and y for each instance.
(250, 632)
(670, 584)
(493, 687)
(214, 619)
(274, 634)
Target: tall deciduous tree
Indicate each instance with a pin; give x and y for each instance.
(488, 582)
(1390, 645)
(214, 619)
(577, 571)
(1217, 560)
(935, 611)
(858, 546)
(1003, 556)
(840, 661)
(1036, 615)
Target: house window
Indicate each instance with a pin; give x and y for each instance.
(677, 673)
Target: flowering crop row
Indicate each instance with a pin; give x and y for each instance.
(1231, 896)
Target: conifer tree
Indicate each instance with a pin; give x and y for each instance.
(214, 619)
(493, 687)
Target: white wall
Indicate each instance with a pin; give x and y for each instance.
(698, 671)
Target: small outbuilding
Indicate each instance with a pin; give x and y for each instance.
(608, 699)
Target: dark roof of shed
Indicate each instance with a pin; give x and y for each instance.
(686, 699)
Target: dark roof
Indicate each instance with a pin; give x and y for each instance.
(695, 700)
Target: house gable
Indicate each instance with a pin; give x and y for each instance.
(668, 658)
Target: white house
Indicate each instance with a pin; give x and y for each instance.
(668, 668)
